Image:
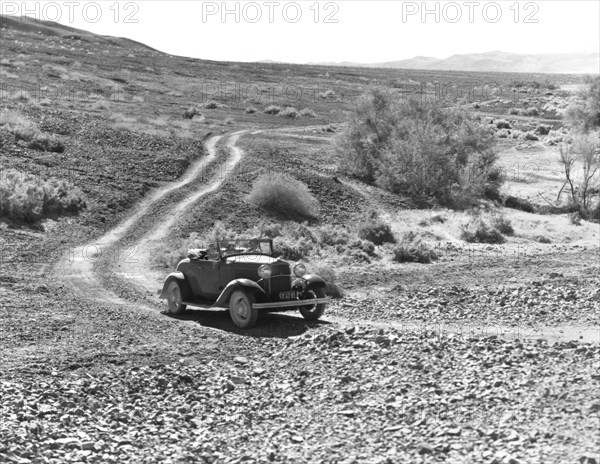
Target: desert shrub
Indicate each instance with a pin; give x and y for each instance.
(47, 142)
(503, 124)
(332, 289)
(439, 218)
(283, 194)
(307, 113)
(28, 198)
(420, 149)
(503, 133)
(531, 111)
(292, 249)
(543, 129)
(478, 231)
(212, 105)
(584, 194)
(331, 236)
(583, 112)
(272, 109)
(359, 251)
(251, 110)
(503, 224)
(290, 112)
(191, 112)
(376, 231)
(530, 136)
(412, 249)
(25, 130)
(513, 111)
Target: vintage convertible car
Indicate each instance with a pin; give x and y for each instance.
(247, 278)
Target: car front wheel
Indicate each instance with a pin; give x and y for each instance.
(174, 298)
(243, 313)
(314, 311)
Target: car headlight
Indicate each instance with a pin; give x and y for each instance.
(299, 270)
(264, 271)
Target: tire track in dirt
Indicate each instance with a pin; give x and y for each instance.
(79, 271)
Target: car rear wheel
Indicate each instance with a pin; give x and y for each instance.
(314, 311)
(174, 298)
(243, 313)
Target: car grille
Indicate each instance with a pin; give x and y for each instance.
(280, 269)
(281, 283)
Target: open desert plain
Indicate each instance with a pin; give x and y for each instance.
(464, 322)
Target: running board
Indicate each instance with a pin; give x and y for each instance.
(277, 304)
(290, 304)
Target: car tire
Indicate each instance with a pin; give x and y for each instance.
(241, 309)
(175, 298)
(314, 312)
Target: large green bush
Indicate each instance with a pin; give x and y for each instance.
(420, 149)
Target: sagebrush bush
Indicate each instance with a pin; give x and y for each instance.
(503, 225)
(543, 129)
(28, 198)
(412, 249)
(376, 231)
(531, 111)
(283, 194)
(420, 149)
(307, 113)
(191, 112)
(531, 137)
(272, 109)
(25, 130)
(251, 110)
(478, 231)
(211, 105)
(331, 236)
(503, 124)
(292, 249)
(583, 111)
(290, 112)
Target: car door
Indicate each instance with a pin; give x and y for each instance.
(205, 278)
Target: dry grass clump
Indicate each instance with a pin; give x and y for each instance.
(290, 112)
(307, 113)
(27, 198)
(285, 195)
(272, 109)
(25, 130)
(412, 249)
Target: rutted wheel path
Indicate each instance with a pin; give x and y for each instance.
(85, 278)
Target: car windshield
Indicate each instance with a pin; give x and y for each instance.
(236, 246)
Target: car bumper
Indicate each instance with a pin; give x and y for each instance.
(291, 304)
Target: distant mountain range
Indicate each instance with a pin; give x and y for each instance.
(495, 61)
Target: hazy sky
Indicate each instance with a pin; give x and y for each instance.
(350, 30)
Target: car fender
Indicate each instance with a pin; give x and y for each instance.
(173, 276)
(237, 284)
(313, 280)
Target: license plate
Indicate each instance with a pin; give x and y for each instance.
(288, 295)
